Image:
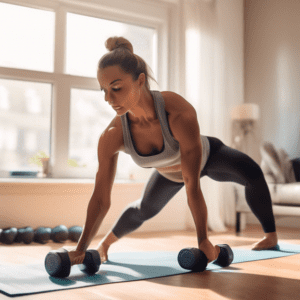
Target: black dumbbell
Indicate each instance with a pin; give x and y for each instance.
(8, 235)
(42, 235)
(25, 235)
(194, 259)
(58, 264)
(59, 234)
(75, 233)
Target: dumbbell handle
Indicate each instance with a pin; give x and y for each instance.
(73, 254)
(89, 255)
(225, 256)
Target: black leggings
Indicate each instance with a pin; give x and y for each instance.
(224, 164)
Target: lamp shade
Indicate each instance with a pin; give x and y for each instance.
(246, 111)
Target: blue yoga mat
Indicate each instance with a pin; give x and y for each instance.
(19, 280)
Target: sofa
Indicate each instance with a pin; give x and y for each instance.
(280, 177)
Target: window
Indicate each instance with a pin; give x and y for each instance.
(90, 114)
(27, 38)
(86, 38)
(25, 110)
(89, 117)
(49, 94)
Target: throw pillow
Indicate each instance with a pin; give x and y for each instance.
(271, 162)
(286, 166)
(269, 176)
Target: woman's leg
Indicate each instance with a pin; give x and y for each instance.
(296, 167)
(157, 193)
(228, 164)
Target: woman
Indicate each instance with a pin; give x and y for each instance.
(160, 130)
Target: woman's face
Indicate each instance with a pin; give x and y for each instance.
(121, 92)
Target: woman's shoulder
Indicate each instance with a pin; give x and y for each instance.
(176, 104)
(114, 133)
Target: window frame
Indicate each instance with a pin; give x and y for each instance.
(137, 12)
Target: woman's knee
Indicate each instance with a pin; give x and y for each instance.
(140, 211)
(148, 211)
(254, 171)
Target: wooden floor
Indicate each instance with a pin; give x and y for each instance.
(275, 279)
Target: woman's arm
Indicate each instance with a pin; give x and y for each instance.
(95, 215)
(198, 209)
(100, 201)
(186, 130)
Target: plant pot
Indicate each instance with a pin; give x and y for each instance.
(45, 167)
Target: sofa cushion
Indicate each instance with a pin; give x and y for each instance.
(286, 166)
(286, 194)
(281, 194)
(270, 164)
(269, 176)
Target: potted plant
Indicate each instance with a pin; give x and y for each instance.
(41, 159)
(74, 164)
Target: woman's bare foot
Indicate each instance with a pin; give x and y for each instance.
(103, 249)
(269, 241)
(104, 245)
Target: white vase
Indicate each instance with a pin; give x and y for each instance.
(45, 167)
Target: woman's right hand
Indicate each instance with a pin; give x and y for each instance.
(76, 256)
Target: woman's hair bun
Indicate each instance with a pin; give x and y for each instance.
(124, 57)
(115, 42)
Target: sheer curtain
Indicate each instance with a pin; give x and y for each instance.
(214, 85)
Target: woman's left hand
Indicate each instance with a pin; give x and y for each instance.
(212, 252)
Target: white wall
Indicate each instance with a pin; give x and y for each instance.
(53, 202)
(272, 69)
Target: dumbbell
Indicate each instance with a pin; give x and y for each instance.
(42, 235)
(25, 235)
(194, 259)
(8, 235)
(74, 233)
(58, 264)
(59, 234)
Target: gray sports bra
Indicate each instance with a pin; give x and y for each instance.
(170, 154)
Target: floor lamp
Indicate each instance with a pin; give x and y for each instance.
(243, 117)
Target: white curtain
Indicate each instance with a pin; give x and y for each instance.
(214, 85)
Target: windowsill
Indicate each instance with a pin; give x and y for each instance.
(56, 186)
(60, 180)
